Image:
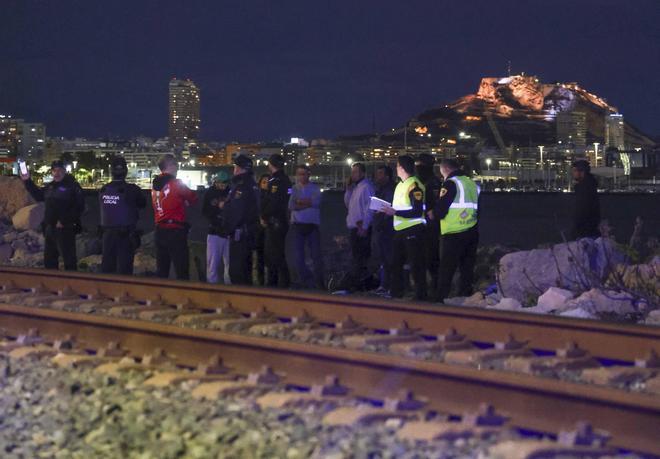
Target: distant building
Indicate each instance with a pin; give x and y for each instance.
(615, 131)
(183, 112)
(572, 128)
(31, 140)
(8, 136)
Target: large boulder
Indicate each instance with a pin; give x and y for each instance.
(29, 217)
(575, 266)
(14, 196)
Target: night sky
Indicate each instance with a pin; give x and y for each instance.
(275, 69)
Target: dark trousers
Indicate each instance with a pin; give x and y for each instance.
(240, 261)
(360, 253)
(275, 256)
(384, 240)
(307, 234)
(459, 250)
(408, 245)
(260, 261)
(60, 242)
(172, 248)
(118, 251)
(432, 252)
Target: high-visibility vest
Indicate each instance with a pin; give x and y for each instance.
(462, 213)
(401, 201)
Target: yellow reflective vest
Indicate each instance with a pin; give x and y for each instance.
(401, 201)
(462, 213)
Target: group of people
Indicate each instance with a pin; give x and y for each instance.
(430, 226)
(427, 224)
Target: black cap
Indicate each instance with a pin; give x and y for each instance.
(57, 163)
(243, 162)
(276, 160)
(118, 168)
(425, 159)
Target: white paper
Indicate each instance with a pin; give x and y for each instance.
(376, 204)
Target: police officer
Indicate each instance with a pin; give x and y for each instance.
(274, 209)
(119, 203)
(432, 184)
(64, 204)
(456, 208)
(260, 236)
(241, 217)
(170, 197)
(409, 223)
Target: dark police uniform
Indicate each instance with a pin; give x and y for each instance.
(408, 223)
(241, 217)
(432, 229)
(457, 210)
(260, 243)
(274, 213)
(119, 203)
(64, 204)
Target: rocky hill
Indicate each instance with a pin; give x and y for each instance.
(524, 110)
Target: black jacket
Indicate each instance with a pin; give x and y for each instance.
(241, 211)
(586, 215)
(275, 204)
(64, 201)
(432, 184)
(120, 214)
(212, 212)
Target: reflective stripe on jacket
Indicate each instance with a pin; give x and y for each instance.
(462, 213)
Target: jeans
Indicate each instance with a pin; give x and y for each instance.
(307, 234)
(217, 251)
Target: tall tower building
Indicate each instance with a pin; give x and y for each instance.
(572, 128)
(615, 131)
(184, 112)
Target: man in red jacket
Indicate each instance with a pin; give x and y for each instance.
(170, 197)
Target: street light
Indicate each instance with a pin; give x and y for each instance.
(488, 162)
(349, 161)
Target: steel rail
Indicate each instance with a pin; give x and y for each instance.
(533, 403)
(607, 340)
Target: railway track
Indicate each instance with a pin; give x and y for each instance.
(365, 358)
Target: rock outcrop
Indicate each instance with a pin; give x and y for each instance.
(574, 266)
(13, 197)
(29, 217)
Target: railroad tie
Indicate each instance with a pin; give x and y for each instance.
(502, 350)
(569, 358)
(331, 392)
(401, 334)
(484, 423)
(265, 379)
(449, 341)
(402, 408)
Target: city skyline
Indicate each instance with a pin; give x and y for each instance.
(310, 71)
